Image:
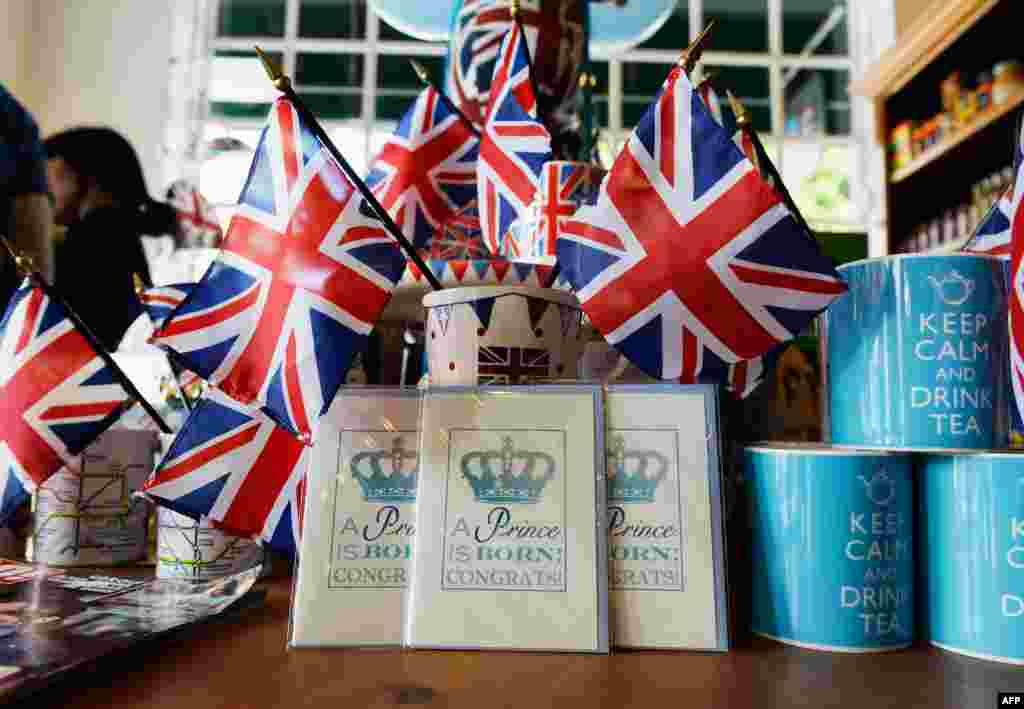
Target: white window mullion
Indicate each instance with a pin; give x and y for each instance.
(291, 32)
(696, 18)
(370, 81)
(615, 95)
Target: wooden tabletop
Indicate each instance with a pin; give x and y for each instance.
(242, 661)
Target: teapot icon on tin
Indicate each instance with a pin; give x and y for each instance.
(880, 489)
(953, 288)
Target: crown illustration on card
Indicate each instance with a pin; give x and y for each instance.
(387, 475)
(633, 475)
(508, 475)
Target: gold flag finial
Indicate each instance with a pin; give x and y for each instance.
(689, 57)
(513, 9)
(421, 71)
(281, 82)
(140, 286)
(738, 109)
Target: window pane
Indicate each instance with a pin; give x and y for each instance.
(329, 70)
(640, 84)
(332, 19)
(393, 105)
(820, 178)
(238, 78)
(233, 109)
(332, 106)
(251, 18)
(817, 102)
(396, 72)
(750, 86)
(814, 27)
(740, 25)
(675, 33)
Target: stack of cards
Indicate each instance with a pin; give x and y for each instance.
(517, 518)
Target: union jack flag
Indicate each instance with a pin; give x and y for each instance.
(993, 235)
(58, 395)
(1016, 216)
(239, 468)
(514, 146)
(460, 237)
(161, 301)
(689, 262)
(426, 172)
(512, 365)
(554, 31)
(197, 222)
(563, 187)
(300, 281)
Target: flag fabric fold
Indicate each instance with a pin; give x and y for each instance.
(58, 394)
(236, 466)
(1016, 285)
(160, 302)
(302, 278)
(514, 145)
(426, 172)
(689, 262)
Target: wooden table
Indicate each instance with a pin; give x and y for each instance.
(242, 661)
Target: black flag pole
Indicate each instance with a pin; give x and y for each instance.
(424, 76)
(283, 84)
(28, 269)
(764, 164)
(688, 59)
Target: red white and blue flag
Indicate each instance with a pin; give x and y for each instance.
(160, 302)
(426, 172)
(301, 280)
(554, 31)
(1016, 217)
(239, 468)
(58, 395)
(514, 145)
(689, 262)
(993, 235)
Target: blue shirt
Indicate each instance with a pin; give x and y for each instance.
(22, 171)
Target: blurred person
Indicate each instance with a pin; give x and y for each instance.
(26, 218)
(100, 195)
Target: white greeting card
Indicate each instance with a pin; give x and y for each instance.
(511, 552)
(665, 525)
(358, 525)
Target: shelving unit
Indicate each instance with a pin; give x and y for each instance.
(938, 152)
(969, 36)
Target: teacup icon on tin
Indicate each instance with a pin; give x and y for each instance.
(953, 288)
(880, 489)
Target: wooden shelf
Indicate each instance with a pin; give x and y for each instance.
(938, 27)
(972, 129)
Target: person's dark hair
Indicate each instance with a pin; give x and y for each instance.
(104, 157)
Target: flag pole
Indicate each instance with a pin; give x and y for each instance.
(763, 163)
(176, 370)
(28, 269)
(283, 84)
(424, 76)
(688, 59)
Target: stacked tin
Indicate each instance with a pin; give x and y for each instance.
(917, 377)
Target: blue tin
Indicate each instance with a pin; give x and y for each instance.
(917, 353)
(972, 513)
(832, 546)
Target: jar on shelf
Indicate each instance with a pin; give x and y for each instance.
(902, 144)
(951, 89)
(984, 91)
(948, 227)
(1008, 81)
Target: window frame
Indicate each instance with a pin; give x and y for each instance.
(779, 66)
